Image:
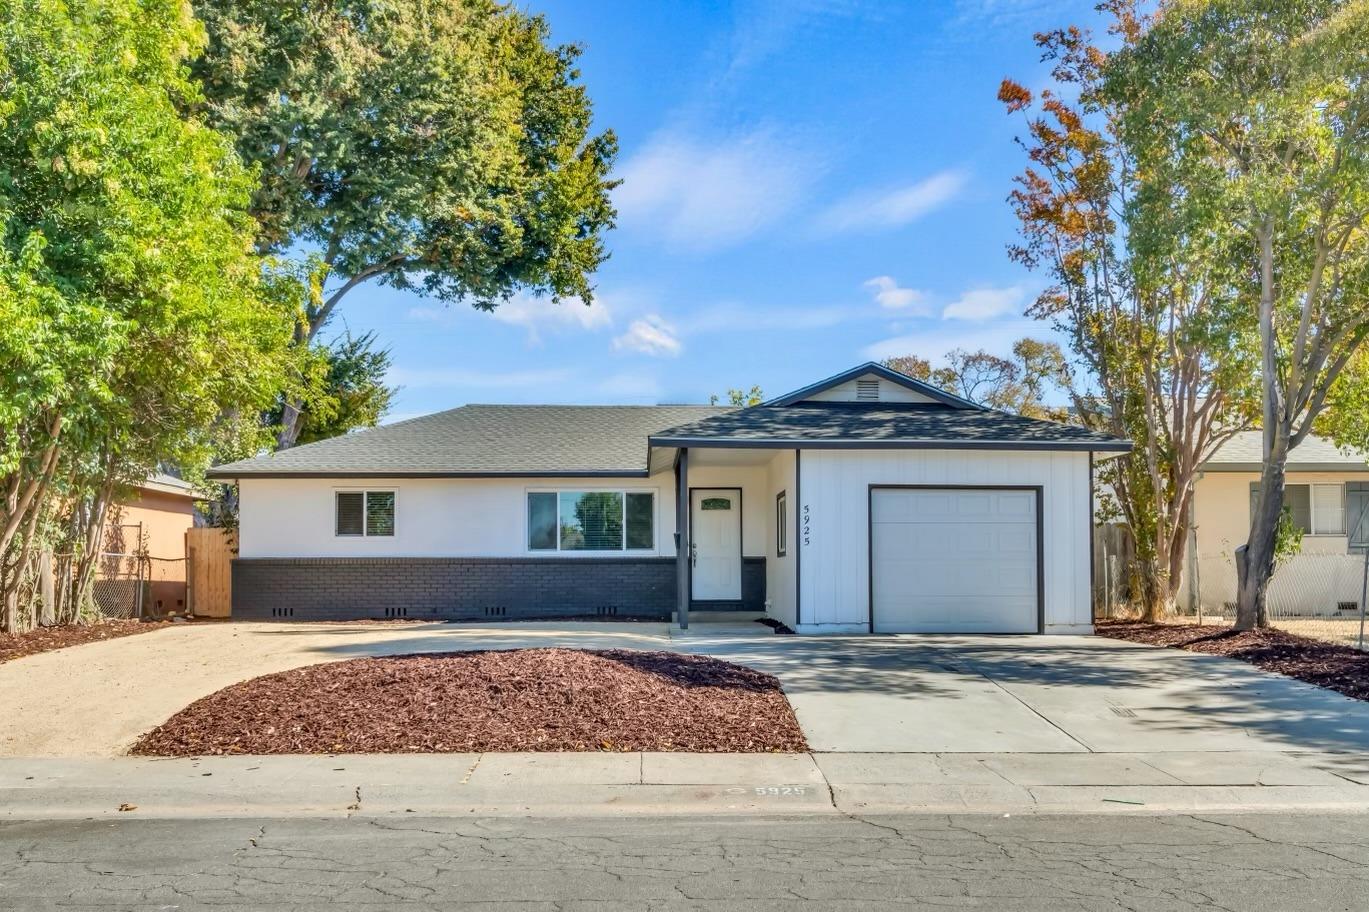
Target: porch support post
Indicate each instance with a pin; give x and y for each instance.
(682, 538)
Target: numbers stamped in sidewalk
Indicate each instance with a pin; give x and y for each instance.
(771, 791)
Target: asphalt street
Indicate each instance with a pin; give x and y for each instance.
(1250, 863)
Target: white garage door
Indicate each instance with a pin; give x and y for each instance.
(953, 560)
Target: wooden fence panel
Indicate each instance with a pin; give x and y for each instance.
(209, 572)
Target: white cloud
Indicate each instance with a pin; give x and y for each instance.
(704, 194)
(650, 335)
(985, 304)
(417, 378)
(892, 207)
(892, 296)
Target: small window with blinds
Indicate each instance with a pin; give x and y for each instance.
(365, 514)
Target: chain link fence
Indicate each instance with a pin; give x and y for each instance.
(1313, 595)
(119, 589)
(1316, 595)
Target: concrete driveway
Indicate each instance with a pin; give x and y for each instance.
(904, 694)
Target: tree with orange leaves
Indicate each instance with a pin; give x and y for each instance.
(1154, 354)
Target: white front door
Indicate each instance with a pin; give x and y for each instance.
(715, 529)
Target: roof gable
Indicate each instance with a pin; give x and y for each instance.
(854, 386)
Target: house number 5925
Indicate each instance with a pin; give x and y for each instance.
(807, 524)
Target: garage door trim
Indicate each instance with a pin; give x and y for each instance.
(1040, 538)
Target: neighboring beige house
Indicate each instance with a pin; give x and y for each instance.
(1328, 494)
(156, 516)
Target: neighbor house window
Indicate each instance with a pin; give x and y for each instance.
(781, 525)
(1317, 509)
(368, 513)
(591, 521)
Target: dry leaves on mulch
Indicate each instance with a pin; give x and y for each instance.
(1335, 667)
(46, 639)
(517, 700)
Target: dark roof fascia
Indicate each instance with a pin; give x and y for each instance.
(1091, 446)
(1349, 467)
(893, 376)
(373, 473)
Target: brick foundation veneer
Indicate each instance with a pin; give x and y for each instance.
(467, 588)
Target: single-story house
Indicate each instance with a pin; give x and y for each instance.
(868, 501)
(144, 539)
(1327, 494)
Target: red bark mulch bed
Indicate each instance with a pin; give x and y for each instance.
(1335, 667)
(516, 700)
(46, 639)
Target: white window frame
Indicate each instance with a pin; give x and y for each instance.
(1312, 507)
(592, 489)
(365, 514)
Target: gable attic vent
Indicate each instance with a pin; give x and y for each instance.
(867, 389)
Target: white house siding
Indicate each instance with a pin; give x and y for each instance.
(434, 517)
(779, 571)
(834, 507)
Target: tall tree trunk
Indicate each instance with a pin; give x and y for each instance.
(1255, 561)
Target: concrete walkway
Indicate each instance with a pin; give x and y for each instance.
(654, 784)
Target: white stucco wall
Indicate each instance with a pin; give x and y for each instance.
(434, 517)
(834, 486)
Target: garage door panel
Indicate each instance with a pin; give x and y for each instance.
(954, 560)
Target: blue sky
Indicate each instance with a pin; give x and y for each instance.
(807, 184)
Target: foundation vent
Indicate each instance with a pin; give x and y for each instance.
(397, 612)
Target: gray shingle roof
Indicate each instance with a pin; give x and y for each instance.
(485, 440)
(1245, 453)
(818, 424)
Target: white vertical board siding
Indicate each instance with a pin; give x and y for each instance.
(835, 571)
(434, 517)
(779, 571)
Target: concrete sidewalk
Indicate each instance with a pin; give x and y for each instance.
(633, 784)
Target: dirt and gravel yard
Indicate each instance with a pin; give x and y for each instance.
(1330, 665)
(46, 639)
(515, 700)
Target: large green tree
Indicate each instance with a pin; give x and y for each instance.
(1250, 124)
(1154, 355)
(134, 314)
(440, 146)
